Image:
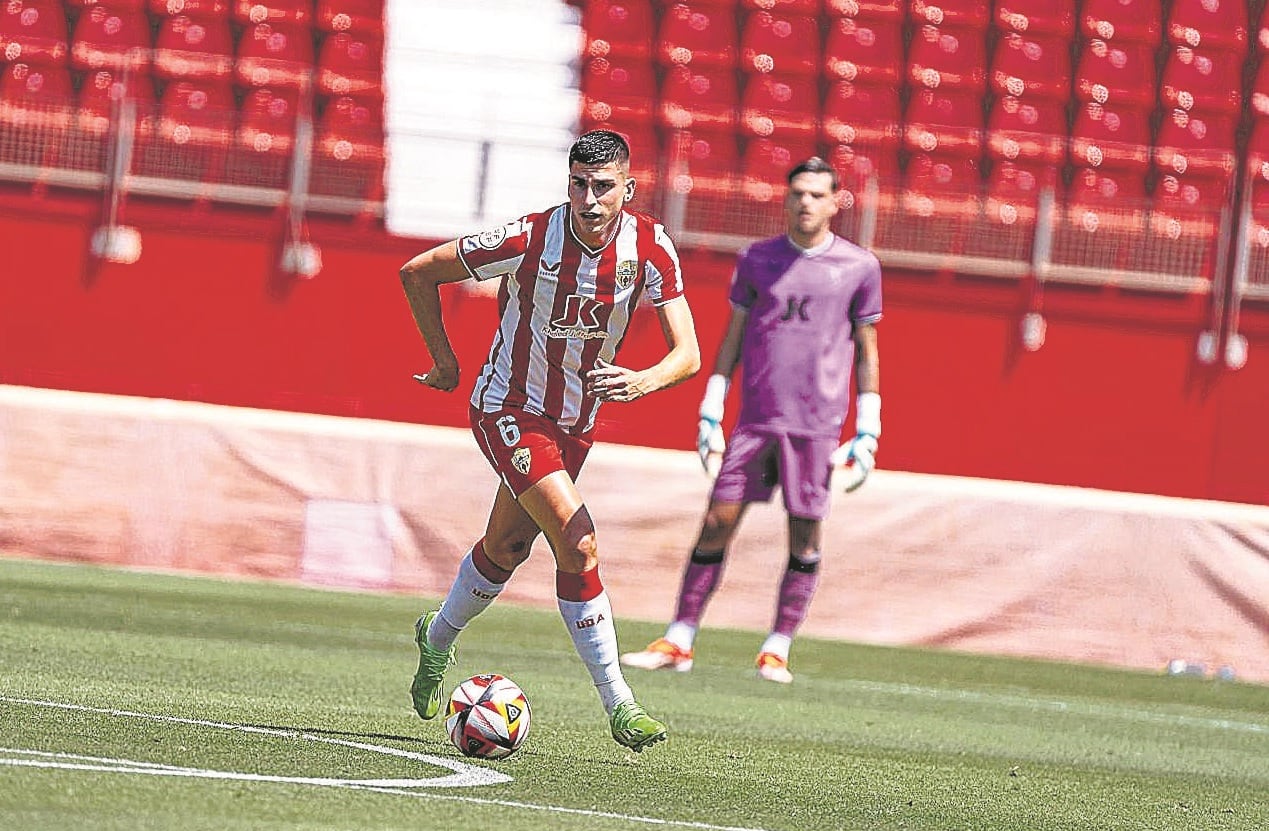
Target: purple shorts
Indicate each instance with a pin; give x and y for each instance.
(756, 462)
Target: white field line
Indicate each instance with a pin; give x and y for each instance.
(465, 775)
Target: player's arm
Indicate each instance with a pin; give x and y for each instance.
(710, 443)
(682, 360)
(861, 451)
(421, 278)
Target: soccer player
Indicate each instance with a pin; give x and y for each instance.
(571, 277)
(804, 309)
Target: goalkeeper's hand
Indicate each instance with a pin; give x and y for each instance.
(857, 457)
(709, 430)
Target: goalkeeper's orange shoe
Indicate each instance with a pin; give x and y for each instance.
(660, 654)
(772, 667)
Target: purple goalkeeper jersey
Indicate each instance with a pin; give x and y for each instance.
(797, 351)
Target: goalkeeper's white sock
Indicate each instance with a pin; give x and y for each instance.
(587, 613)
(469, 595)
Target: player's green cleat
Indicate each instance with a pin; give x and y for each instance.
(427, 687)
(634, 728)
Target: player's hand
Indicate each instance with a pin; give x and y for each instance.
(859, 457)
(710, 444)
(609, 382)
(443, 378)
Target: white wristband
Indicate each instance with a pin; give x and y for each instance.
(715, 397)
(868, 413)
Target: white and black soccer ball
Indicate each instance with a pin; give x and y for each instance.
(487, 717)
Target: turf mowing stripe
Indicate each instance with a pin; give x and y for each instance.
(1058, 706)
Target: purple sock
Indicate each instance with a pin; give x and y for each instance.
(699, 581)
(796, 590)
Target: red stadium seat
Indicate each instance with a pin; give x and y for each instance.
(703, 163)
(785, 106)
(100, 90)
(1258, 145)
(856, 165)
(1106, 200)
(618, 28)
(33, 33)
(766, 164)
(274, 55)
(1207, 82)
(942, 57)
(106, 39)
(192, 8)
(807, 7)
(1262, 29)
(1116, 73)
(1195, 144)
(365, 16)
(351, 129)
(893, 10)
(861, 114)
(698, 35)
(944, 122)
(622, 91)
(784, 44)
(864, 50)
(189, 48)
(37, 96)
(197, 112)
(1012, 191)
(1188, 206)
(350, 64)
(939, 184)
(1209, 24)
(965, 14)
(1114, 138)
(1118, 21)
(1259, 95)
(286, 12)
(1037, 18)
(267, 119)
(1020, 130)
(1030, 67)
(699, 98)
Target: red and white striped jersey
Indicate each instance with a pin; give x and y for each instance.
(563, 307)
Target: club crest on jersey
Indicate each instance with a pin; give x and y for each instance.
(492, 238)
(521, 459)
(627, 271)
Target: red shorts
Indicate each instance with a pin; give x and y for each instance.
(523, 448)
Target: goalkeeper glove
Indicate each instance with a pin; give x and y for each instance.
(710, 443)
(859, 455)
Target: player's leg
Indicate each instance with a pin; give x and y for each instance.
(485, 568)
(748, 474)
(806, 472)
(556, 506)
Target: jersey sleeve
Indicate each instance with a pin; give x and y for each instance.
(866, 305)
(663, 279)
(742, 294)
(495, 252)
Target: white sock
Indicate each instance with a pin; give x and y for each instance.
(681, 635)
(469, 595)
(777, 645)
(590, 624)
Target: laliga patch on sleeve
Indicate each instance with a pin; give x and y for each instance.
(492, 238)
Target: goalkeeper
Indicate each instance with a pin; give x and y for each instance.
(804, 309)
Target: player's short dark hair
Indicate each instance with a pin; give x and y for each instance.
(814, 165)
(599, 147)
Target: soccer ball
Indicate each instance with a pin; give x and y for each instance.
(487, 717)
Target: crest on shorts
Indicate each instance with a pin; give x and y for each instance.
(520, 460)
(627, 271)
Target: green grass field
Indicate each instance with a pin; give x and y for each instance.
(139, 701)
